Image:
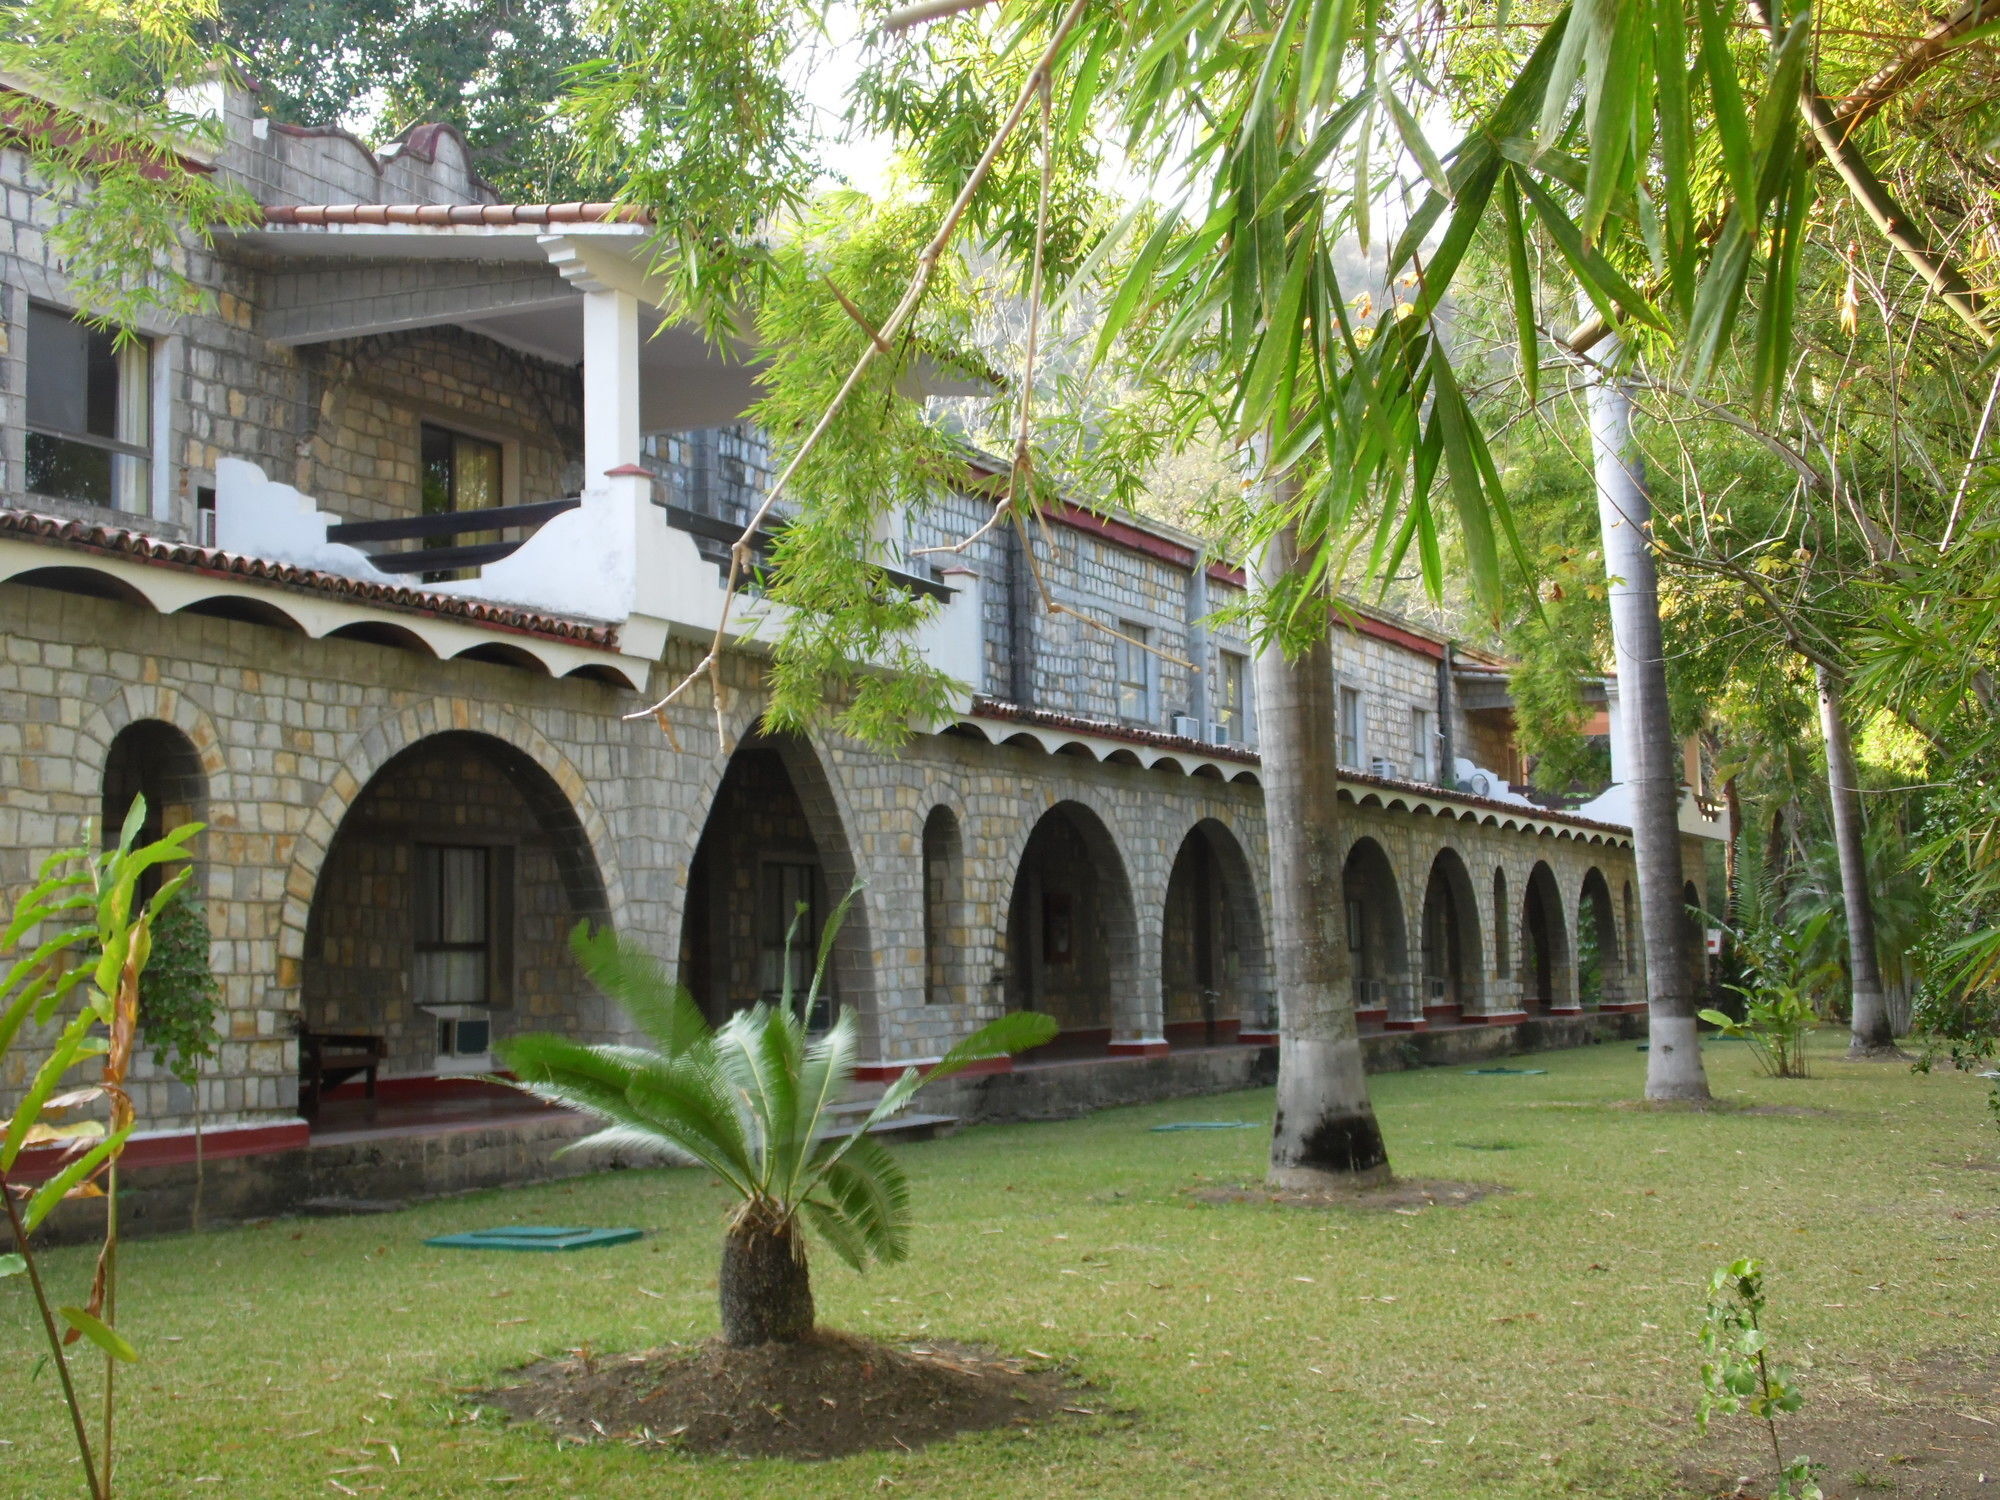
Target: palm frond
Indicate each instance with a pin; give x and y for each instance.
(838, 1233)
(759, 1051)
(823, 1080)
(872, 1196)
(628, 974)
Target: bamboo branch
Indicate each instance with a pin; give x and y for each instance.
(1915, 60)
(925, 11)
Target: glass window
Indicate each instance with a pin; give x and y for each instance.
(453, 929)
(89, 413)
(1422, 744)
(460, 472)
(1231, 688)
(1135, 673)
(1350, 726)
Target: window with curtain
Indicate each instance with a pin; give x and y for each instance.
(89, 413)
(454, 928)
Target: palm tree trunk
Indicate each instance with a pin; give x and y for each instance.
(765, 1287)
(1872, 1035)
(1625, 516)
(1325, 1132)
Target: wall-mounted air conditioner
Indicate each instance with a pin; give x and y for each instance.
(1218, 734)
(1187, 726)
(1381, 766)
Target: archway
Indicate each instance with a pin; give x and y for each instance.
(1545, 976)
(1600, 969)
(947, 943)
(772, 864)
(1377, 949)
(440, 921)
(1694, 937)
(1452, 968)
(1071, 936)
(153, 759)
(1214, 968)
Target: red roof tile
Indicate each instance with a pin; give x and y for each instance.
(448, 214)
(115, 541)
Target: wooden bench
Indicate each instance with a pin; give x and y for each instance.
(327, 1059)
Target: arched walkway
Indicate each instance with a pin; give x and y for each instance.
(772, 864)
(1600, 967)
(1452, 965)
(1214, 963)
(441, 916)
(1071, 936)
(1545, 965)
(1377, 947)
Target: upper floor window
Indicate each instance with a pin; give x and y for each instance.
(1423, 745)
(459, 472)
(1135, 673)
(1231, 697)
(1349, 726)
(89, 413)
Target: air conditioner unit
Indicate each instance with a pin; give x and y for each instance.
(1187, 726)
(1218, 734)
(204, 527)
(1381, 766)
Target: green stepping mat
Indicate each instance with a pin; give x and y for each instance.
(1523, 1072)
(1208, 1125)
(533, 1237)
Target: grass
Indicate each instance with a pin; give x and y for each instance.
(1533, 1344)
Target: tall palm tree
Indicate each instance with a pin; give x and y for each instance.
(752, 1101)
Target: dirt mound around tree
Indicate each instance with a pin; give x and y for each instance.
(1923, 1430)
(1398, 1195)
(829, 1396)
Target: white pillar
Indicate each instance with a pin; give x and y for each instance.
(610, 383)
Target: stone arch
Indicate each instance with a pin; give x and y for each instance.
(364, 755)
(1694, 938)
(1635, 939)
(152, 760)
(1600, 967)
(948, 961)
(772, 839)
(1377, 942)
(1546, 980)
(440, 915)
(1453, 966)
(1072, 932)
(1503, 917)
(1215, 966)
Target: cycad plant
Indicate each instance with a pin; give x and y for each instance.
(752, 1101)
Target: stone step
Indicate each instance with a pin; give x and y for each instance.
(904, 1127)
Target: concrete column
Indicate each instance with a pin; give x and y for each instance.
(610, 383)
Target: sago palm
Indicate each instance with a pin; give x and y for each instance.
(752, 1101)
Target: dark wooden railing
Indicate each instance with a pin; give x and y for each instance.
(727, 532)
(443, 525)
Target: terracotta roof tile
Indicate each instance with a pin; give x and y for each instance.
(994, 708)
(139, 546)
(444, 215)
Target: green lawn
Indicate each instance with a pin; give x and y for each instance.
(1532, 1344)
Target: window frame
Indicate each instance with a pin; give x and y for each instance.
(1232, 677)
(496, 945)
(1145, 686)
(146, 352)
(1350, 727)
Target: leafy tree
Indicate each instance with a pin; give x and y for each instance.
(496, 69)
(751, 1101)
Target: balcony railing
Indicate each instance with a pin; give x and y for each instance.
(442, 526)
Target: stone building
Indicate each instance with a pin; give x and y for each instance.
(366, 567)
